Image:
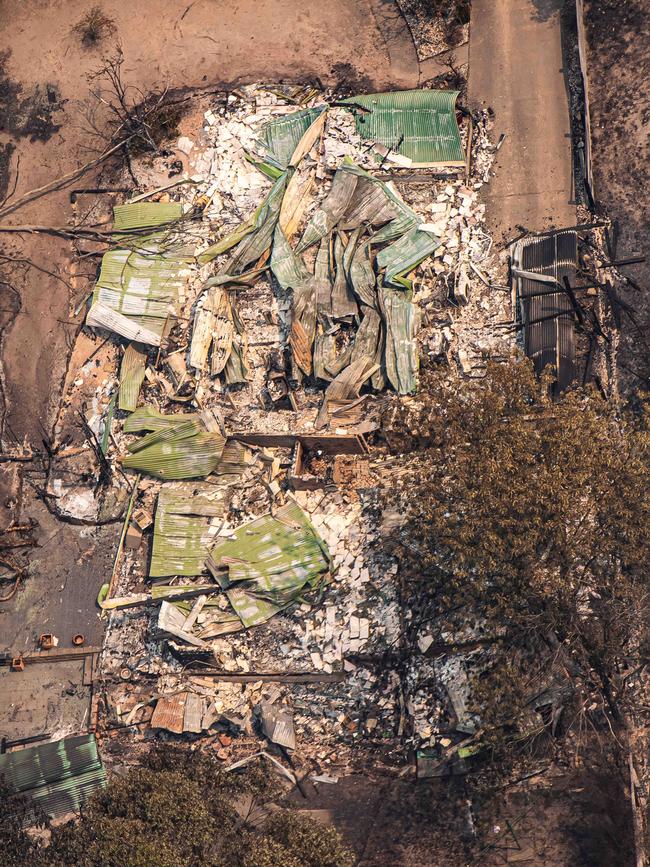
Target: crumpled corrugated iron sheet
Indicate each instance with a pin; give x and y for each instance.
(213, 329)
(404, 254)
(139, 285)
(418, 124)
(277, 725)
(148, 418)
(361, 203)
(59, 776)
(400, 315)
(253, 237)
(270, 563)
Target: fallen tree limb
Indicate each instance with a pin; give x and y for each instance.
(79, 232)
(32, 195)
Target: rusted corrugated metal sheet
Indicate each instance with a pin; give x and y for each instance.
(169, 713)
(178, 713)
(546, 311)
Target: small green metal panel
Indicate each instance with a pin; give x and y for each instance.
(406, 253)
(419, 124)
(401, 359)
(132, 370)
(150, 419)
(140, 215)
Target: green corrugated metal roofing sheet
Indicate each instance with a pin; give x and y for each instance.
(141, 282)
(186, 523)
(150, 419)
(351, 199)
(178, 451)
(419, 124)
(401, 358)
(183, 446)
(132, 370)
(271, 561)
(405, 253)
(142, 214)
(281, 136)
(60, 776)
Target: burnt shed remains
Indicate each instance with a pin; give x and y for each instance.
(541, 268)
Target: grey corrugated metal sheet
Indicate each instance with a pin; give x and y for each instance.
(60, 776)
(552, 341)
(419, 124)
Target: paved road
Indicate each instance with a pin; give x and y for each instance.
(516, 69)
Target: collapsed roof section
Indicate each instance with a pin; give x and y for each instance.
(176, 447)
(140, 283)
(368, 237)
(261, 568)
(351, 286)
(540, 266)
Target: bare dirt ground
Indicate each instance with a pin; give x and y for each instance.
(619, 84)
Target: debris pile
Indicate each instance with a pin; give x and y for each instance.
(259, 322)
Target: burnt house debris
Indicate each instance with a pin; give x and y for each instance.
(258, 318)
(246, 330)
